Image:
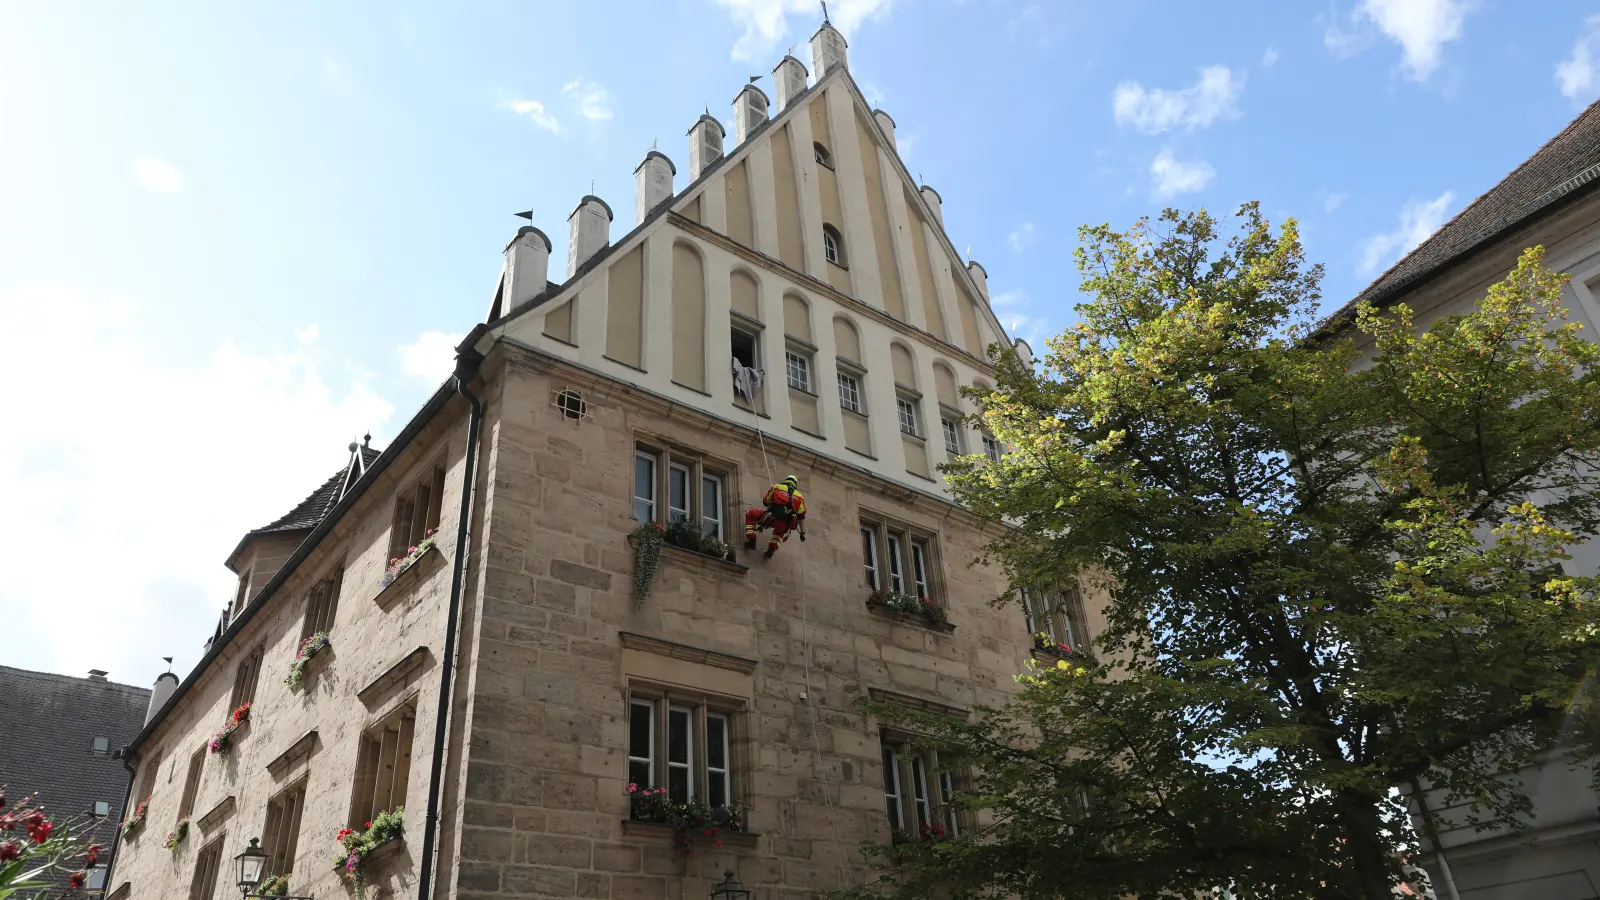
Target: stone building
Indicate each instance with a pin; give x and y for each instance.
(1551, 199)
(506, 687)
(57, 737)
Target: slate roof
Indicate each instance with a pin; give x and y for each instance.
(1565, 168)
(305, 516)
(50, 723)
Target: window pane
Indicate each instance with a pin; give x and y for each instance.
(678, 784)
(678, 736)
(869, 555)
(799, 371)
(947, 799)
(951, 442)
(639, 773)
(677, 493)
(716, 742)
(639, 727)
(711, 505)
(891, 788)
(896, 579)
(908, 415)
(644, 487)
(919, 787)
(919, 562)
(717, 782)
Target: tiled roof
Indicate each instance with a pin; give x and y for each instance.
(50, 723)
(311, 510)
(1567, 164)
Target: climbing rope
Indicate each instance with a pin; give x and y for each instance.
(816, 744)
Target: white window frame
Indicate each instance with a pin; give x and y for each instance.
(906, 411)
(920, 800)
(1055, 614)
(897, 579)
(649, 500)
(695, 470)
(722, 774)
(869, 553)
(687, 765)
(919, 567)
(947, 804)
(831, 251)
(713, 520)
(892, 789)
(991, 448)
(650, 760)
(952, 435)
(677, 470)
(850, 392)
(797, 366)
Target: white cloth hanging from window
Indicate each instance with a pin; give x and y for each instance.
(746, 381)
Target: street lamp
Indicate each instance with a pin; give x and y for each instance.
(730, 888)
(251, 862)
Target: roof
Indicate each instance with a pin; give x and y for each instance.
(1565, 168)
(311, 510)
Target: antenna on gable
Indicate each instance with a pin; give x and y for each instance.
(825, 13)
(652, 143)
(756, 78)
(969, 253)
(168, 661)
(525, 214)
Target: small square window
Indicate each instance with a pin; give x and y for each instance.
(799, 370)
(850, 392)
(101, 746)
(952, 436)
(102, 809)
(991, 448)
(908, 416)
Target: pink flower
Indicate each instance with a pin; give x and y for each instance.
(10, 850)
(632, 787)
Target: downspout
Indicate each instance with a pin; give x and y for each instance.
(116, 835)
(467, 362)
(1433, 835)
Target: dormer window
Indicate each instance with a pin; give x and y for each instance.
(824, 158)
(832, 245)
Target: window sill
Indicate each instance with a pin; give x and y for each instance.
(636, 828)
(883, 612)
(623, 364)
(379, 856)
(1050, 657)
(408, 578)
(811, 433)
(692, 557)
(694, 390)
(837, 264)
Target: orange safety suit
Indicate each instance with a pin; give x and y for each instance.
(785, 508)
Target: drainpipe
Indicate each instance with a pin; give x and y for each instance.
(467, 361)
(127, 798)
(1433, 835)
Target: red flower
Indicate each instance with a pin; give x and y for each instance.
(6, 821)
(76, 879)
(92, 854)
(344, 833)
(10, 850)
(368, 825)
(41, 832)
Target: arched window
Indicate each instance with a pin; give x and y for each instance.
(824, 158)
(832, 245)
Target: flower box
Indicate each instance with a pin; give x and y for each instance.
(398, 579)
(135, 820)
(361, 850)
(310, 647)
(687, 822)
(906, 608)
(1048, 650)
(222, 740)
(176, 836)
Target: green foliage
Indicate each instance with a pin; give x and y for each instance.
(176, 836)
(34, 847)
(922, 607)
(686, 534)
(358, 845)
(647, 540)
(1336, 570)
(276, 886)
(310, 647)
(689, 821)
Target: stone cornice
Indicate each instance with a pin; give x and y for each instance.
(918, 703)
(300, 749)
(675, 650)
(394, 676)
(218, 813)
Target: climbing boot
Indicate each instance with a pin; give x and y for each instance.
(750, 542)
(770, 551)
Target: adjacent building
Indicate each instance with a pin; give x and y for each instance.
(1552, 199)
(59, 734)
(512, 659)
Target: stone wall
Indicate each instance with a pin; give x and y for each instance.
(545, 788)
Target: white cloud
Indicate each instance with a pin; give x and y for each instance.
(126, 494)
(1214, 97)
(1169, 177)
(431, 357)
(1269, 58)
(592, 100)
(157, 175)
(535, 111)
(1420, 27)
(765, 22)
(1332, 201)
(1419, 219)
(1022, 237)
(309, 334)
(1576, 76)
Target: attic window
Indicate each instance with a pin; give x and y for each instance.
(824, 158)
(832, 245)
(571, 404)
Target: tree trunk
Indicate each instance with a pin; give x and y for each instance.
(1365, 848)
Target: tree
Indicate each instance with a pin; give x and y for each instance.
(1336, 572)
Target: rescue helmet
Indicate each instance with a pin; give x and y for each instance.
(791, 480)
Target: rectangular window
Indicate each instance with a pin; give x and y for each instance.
(101, 745)
(203, 886)
(947, 804)
(891, 789)
(684, 743)
(1057, 615)
(101, 809)
(281, 833)
(321, 605)
(869, 554)
(850, 392)
(718, 786)
(744, 351)
(711, 504)
(642, 743)
(416, 513)
(952, 436)
(897, 581)
(147, 779)
(919, 789)
(799, 371)
(644, 487)
(919, 567)
(991, 448)
(245, 678)
(908, 416)
(677, 493)
(383, 767)
(191, 783)
(680, 755)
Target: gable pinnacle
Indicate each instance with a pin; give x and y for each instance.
(825, 13)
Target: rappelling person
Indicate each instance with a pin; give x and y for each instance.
(785, 509)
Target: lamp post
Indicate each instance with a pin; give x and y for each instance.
(252, 863)
(730, 888)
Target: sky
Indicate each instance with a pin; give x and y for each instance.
(234, 237)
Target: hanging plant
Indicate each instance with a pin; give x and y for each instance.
(309, 648)
(276, 886)
(647, 540)
(133, 822)
(358, 845)
(399, 565)
(176, 835)
(221, 740)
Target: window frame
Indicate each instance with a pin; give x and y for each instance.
(719, 506)
(417, 508)
(701, 707)
(992, 450)
(322, 604)
(668, 457)
(641, 455)
(1059, 614)
(247, 678)
(280, 836)
(676, 469)
(821, 154)
(207, 865)
(686, 714)
(908, 413)
(364, 798)
(747, 329)
(833, 238)
(917, 769)
(951, 431)
(900, 550)
(796, 359)
(724, 773)
(191, 783)
(856, 402)
(649, 759)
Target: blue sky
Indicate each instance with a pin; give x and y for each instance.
(233, 237)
